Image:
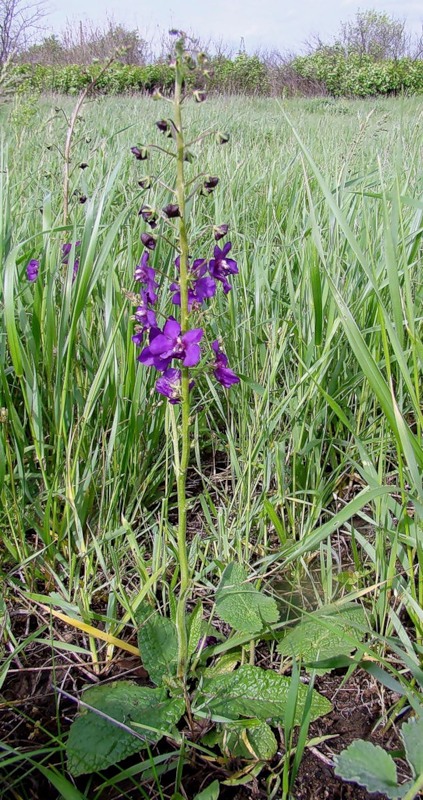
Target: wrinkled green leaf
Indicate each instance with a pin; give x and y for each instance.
(241, 605)
(254, 692)
(321, 637)
(224, 664)
(96, 743)
(158, 643)
(412, 735)
(256, 741)
(370, 766)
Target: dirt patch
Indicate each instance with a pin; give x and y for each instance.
(30, 718)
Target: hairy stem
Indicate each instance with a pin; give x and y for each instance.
(185, 400)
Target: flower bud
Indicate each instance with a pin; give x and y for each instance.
(220, 231)
(149, 215)
(163, 125)
(140, 153)
(82, 199)
(211, 182)
(222, 138)
(83, 165)
(199, 95)
(145, 182)
(188, 156)
(148, 241)
(171, 211)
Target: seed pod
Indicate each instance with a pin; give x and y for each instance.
(222, 138)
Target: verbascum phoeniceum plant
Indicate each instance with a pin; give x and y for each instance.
(204, 689)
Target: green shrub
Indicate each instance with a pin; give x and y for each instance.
(328, 69)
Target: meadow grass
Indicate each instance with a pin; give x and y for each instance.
(320, 447)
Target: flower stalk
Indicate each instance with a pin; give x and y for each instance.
(185, 380)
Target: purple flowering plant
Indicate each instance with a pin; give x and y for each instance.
(177, 347)
(175, 648)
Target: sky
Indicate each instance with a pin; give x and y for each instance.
(261, 24)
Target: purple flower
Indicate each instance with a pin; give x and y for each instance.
(202, 288)
(220, 266)
(75, 269)
(145, 274)
(147, 358)
(169, 384)
(32, 270)
(66, 248)
(222, 373)
(145, 317)
(169, 343)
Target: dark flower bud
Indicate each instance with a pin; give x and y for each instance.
(188, 156)
(88, 139)
(222, 138)
(220, 231)
(83, 165)
(199, 95)
(82, 199)
(149, 215)
(145, 182)
(49, 146)
(57, 110)
(211, 182)
(171, 211)
(163, 125)
(148, 241)
(140, 153)
(174, 32)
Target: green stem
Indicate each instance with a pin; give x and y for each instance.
(185, 400)
(415, 789)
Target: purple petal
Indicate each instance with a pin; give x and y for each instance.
(192, 337)
(204, 288)
(192, 355)
(225, 376)
(32, 270)
(161, 345)
(172, 328)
